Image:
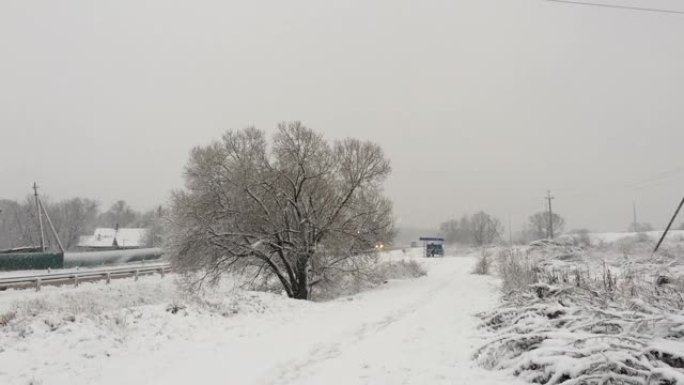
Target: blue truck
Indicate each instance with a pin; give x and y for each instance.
(433, 246)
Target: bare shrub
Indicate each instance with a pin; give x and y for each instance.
(352, 276)
(580, 237)
(6, 318)
(401, 270)
(483, 264)
(484, 228)
(363, 277)
(538, 225)
(642, 237)
(625, 246)
(478, 229)
(516, 269)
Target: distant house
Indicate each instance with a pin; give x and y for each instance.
(113, 239)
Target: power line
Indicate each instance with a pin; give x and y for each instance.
(627, 7)
(601, 188)
(656, 180)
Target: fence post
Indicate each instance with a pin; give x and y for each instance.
(109, 278)
(75, 280)
(136, 274)
(38, 282)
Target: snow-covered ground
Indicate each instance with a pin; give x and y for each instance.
(652, 235)
(414, 331)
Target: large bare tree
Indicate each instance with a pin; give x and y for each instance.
(73, 218)
(538, 225)
(293, 210)
(477, 229)
(484, 228)
(119, 215)
(17, 224)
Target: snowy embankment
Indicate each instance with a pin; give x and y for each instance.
(597, 238)
(580, 314)
(412, 331)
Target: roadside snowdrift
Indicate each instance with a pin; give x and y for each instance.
(54, 334)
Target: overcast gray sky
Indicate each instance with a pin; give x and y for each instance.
(480, 104)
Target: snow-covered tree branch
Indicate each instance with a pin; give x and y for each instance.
(292, 209)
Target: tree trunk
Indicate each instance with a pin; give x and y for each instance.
(301, 288)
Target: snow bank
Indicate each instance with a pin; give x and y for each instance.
(52, 334)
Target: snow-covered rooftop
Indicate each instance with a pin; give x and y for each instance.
(106, 237)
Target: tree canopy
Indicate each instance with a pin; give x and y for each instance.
(296, 208)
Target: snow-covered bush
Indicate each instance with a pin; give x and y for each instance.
(554, 335)
(588, 316)
(483, 264)
(400, 270)
(516, 268)
(5, 318)
(108, 315)
(338, 283)
(579, 237)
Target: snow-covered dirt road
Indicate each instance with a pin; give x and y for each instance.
(416, 331)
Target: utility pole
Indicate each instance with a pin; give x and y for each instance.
(40, 217)
(52, 227)
(634, 225)
(550, 229)
(662, 237)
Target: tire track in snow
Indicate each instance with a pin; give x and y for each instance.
(290, 371)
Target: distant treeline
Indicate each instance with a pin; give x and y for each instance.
(482, 228)
(72, 218)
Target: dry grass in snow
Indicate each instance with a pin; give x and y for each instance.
(605, 314)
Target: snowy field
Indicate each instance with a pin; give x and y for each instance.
(597, 238)
(412, 331)
(618, 321)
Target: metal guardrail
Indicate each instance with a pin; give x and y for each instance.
(76, 277)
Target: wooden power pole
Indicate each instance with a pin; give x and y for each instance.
(550, 228)
(662, 237)
(40, 217)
